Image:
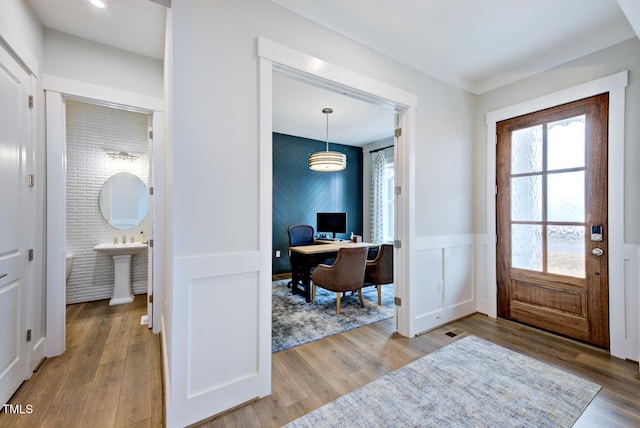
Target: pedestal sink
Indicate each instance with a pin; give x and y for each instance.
(122, 254)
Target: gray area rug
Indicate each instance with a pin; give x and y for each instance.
(469, 383)
(295, 322)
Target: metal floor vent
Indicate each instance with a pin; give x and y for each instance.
(455, 332)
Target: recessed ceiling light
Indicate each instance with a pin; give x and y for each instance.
(98, 3)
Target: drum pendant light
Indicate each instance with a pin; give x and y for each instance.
(327, 160)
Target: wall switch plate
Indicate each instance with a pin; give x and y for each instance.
(440, 286)
(277, 253)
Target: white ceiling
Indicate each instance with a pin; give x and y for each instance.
(297, 110)
(477, 45)
(132, 25)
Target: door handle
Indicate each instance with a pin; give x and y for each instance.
(597, 252)
(2, 275)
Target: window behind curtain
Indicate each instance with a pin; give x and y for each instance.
(387, 219)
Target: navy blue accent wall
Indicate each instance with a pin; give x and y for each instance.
(299, 193)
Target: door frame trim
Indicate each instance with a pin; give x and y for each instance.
(615, 85)
(56, 89)
(299, 65)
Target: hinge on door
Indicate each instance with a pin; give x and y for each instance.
(151, 134)
(397, 243)
(29, 335)
(397, 190)
(150, 298)
(151, 190)
(31, 180)
(397, 301)
(30, 101)
(398, 132)
(30, 254)
(151, 243)
(496, 189)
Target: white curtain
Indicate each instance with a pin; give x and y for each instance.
(378, 160)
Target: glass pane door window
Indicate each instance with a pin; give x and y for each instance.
(548, 197)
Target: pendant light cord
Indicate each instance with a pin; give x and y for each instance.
(327, 111)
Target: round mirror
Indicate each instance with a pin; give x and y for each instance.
(123, 201)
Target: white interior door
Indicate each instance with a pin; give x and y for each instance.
(14, 303)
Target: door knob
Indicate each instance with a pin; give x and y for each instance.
(597, 252)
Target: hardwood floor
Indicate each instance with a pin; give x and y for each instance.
(309, 376)
(109, 376)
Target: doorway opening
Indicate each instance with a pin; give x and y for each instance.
(363, 194)
(107, 181)
(274, 57)
(57, 92)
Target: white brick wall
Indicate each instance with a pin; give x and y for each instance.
(92, 132)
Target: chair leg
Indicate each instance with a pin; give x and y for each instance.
(360, 297)
(379, 287)
(313, 294)
(338, 303)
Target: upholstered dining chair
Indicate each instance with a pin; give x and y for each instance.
(299, 234)
(379, 271)
(346, 274)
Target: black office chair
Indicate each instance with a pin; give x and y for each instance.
(299, 234)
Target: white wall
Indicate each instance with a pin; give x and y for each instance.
(215, 132)
(24, 31)
(215, 95)
(86, 61)
(92, 132)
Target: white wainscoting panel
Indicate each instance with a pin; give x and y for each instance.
(443, 288)
(458, 277)
(221, 341)
(623, 301)
(485, 275)
(426, 299)
(234, 299)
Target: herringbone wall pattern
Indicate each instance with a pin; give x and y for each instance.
(299, 193)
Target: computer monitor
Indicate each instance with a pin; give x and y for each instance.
(331, 222)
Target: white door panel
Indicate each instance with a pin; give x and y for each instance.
(14, 133)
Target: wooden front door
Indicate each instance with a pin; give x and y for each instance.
(551, 204)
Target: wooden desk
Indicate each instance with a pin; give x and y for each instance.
(305, 257)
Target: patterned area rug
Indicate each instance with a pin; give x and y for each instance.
(295, 322)
(471, 382)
